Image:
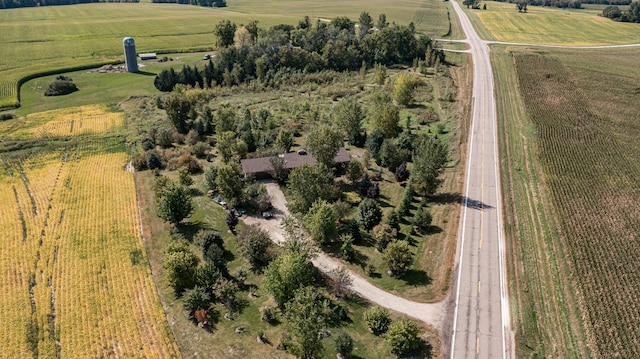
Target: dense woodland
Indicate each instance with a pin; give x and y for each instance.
(11, 4)
(614, 13)
(574, 4)
(248, 52)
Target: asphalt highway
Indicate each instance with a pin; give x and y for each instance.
(480, 324)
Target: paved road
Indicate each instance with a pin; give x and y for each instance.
(480, 324)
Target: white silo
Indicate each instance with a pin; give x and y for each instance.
(130, 54)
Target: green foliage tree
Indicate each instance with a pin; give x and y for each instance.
(344, 344)
(340, 282)
(224, 32)
(381, 74)
(385, 114)
(403, 336)
(422, 218)
(348, 116)
(324, 142)
(346, 248)
(206, 275)
(184, 177)
(178, 108)
(384, 234)
(403, 89)
(287, 274)
(429, 159)
(320, 221)
(62, 85)
(398, 257)
(153, 161)
(305, 316)
(369, 213)
(366, 23)
(254, 244)
(382, 21)
(225, 291)
(377, 320)
(354, 171)
(307, 184)
(175, 204)
(180, 269)
(230, 184)
(210, 176)
(285, 140)
(194, 299)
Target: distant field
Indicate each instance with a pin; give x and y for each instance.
(74, 274)
(571, 188)
(543, 25)
(56, 37)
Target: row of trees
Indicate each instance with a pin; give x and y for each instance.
(10, 4)
(614, 13)
(248, 52)
(207, 3)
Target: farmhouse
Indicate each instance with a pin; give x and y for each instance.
(260, 168)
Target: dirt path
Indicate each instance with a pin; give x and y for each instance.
(432, 314)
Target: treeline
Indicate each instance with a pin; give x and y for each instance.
(250, 53)
(11, 4)
(573, 4)
(614, 13)
(208, 3)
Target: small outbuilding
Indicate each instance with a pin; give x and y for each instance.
(149, 56)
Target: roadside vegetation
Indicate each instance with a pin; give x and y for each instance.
(568, 180)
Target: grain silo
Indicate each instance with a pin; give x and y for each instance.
(130, 54)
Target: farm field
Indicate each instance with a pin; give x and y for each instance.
(570, 183)
(39, 40)
(543, 25)
(75, 277)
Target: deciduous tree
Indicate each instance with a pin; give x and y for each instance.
(175, 204)
(398, 257)
(224, 32)
(429, 159)
(348, 116)
(320, 221)
(324, 142)
(307, 184)
(403, 336)
(230, 184)
(287, 274)
(254, 244)
(305, 317)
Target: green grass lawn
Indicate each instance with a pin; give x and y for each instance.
(35, 40)
(543, 25)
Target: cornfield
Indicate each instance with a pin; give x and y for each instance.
(592, 175)
(74, 276)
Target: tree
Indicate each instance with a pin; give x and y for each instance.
(520, 5)
(369, 213)
(377, 320)
(340, 282)
(366, 23)
(230, 184)
(381, 74)
(62, 85)
(175, 204)
(383, 235)
(354, 171)
(224, 32)
(403, 89)
(178, 107)
(225, 290)
(280, 171)
(382, 21)
(287, 274)
(348, 253)
(398, 257)
(305, 317)
(194, 299)
(348, 116)
(324, 142)
(185, 177)
(321, 221)
(210, 176)
(344, 344)
(429, 159)
(422, 218)
(307, 184)
(374, 143)
(206, 275)
(232, 221)
(180, 269)
(153, 161)
(402, 173)
(254, 244)
(285, 140)
(385, 114)
(242, 38)
(403, 336)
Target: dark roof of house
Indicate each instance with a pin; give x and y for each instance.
(291, 160)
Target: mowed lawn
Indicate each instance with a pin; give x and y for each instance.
(42, 39)
(543, 25)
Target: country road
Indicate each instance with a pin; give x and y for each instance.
(479, 316)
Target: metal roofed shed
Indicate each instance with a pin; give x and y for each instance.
(149, 56)
(261, 167)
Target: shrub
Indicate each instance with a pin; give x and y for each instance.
(377, 320)
(188, 161)
(344, 344)
(403, 336)
(200, 149)
(62, 85)
(153, 161)
(206, 237)
(398, 257)
(384, 234)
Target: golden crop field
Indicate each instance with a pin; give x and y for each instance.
(544, 25)
(74, 275)
(74, 121)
